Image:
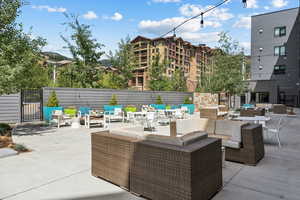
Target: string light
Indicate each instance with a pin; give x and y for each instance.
(201, 14)
(245, 3)
(202, 21)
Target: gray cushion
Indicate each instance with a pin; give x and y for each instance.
(185, 126)
(178, 141)
(231, 144)
(129, 133)
(230, 128)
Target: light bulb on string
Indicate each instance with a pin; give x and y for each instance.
(245, 3)
(202, 21)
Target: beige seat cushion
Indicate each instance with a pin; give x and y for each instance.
(130, 133)
(230, 128)
(223, 137)
(178, 141)
(185, 126)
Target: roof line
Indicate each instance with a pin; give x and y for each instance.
(278, 11)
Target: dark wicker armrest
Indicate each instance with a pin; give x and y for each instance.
(169, 172)
(111, 157)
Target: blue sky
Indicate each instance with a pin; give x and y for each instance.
(112, 20)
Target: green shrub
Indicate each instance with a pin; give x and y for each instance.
(130, 109)
(53, 101)
(159, 100)
(168, 107)
(187, 100)
(113, 101)
(20, 148)
(5, 129)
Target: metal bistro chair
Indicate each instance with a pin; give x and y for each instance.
(150, 121)
(274, 127)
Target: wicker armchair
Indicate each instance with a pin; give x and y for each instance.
(169, 172)
(111, 157)
(279, 109)
(252, 149)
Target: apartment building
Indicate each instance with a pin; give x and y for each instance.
(275, 58)
(193, 60)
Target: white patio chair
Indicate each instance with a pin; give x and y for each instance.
(185, 110)
(60, 119)
(150, 122)
(179, 114)
(118, 115)
(273, 127)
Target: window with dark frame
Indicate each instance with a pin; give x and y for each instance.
(279, 69)
(280, 51)
(280, 31)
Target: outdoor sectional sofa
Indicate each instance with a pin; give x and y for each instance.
(252, 112)
(243, 142)
(159, 167)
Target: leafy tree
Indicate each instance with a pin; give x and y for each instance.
(53, 100)
(158, 80)
(124, 61)
(187, 100)
(20, 54)
(109, 80)
(86, 53)
(113, 101)
(159, 100)
(178, 81)
(227, 76)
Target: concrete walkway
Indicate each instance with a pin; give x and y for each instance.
(59, 168)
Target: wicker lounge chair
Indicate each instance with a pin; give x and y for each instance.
(243, 142)
(252, 112)
(279, 109)
(173, 172)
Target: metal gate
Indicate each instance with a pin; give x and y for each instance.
(31, 105)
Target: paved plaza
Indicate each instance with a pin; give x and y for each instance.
(59, 167)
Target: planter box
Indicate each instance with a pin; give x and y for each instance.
(47, 112)
(191, 108)
(158, 106)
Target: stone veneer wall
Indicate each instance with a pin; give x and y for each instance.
(205, 100)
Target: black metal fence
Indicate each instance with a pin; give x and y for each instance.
(31, 105)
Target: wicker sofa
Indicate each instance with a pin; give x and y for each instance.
(159, 167)
(173, 172)
(252, 112)
(279, 109)
(243, 142)
(213, 113)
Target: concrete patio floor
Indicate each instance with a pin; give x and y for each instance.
(59, 168)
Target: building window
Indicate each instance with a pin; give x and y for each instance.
(279, 51)
(260, 97)
(279, 69)
(280, 31)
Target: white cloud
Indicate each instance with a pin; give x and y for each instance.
(162, 26)
(279, 3)
(117, 16)
(252, 4)
(166, 1)
(90, 15)
(246, 46)
(267, 7)
(50, 9)
(190, 10)
(201, 37)
(243, 22)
